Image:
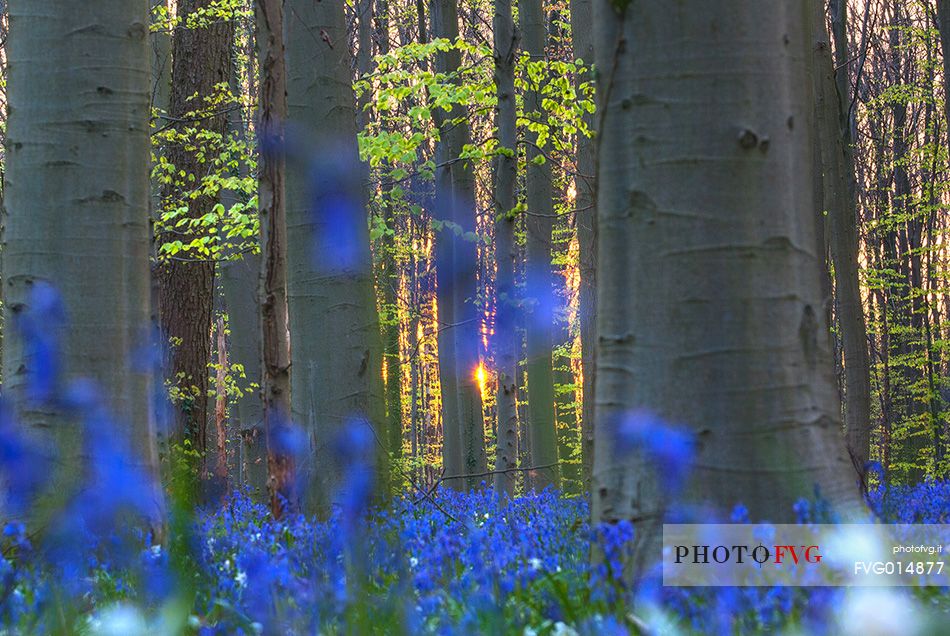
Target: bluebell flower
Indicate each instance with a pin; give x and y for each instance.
(669, 447)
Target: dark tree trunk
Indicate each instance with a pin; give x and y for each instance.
(201, 61)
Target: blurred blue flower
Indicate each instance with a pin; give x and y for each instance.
(669, 447)
(40, 326)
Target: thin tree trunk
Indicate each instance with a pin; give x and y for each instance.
(389, 274)
(221, 407)
(709, 311)
(506, 175)
(201, 61)
(841, 206)
(457, 262)
(585, 204)
(275, 339)
(240, 284)
(76, 200)
(337, 377)
(539, 224)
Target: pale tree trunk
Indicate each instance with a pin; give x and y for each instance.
(364, 54)
(76, 199)
(221, 407)
(160, 94)
(538, 273)
(240, 282)
(337, 371)
(457, 263)
(506, 175)
(709, 305)
(239, 279)
(585, 215)
(161, 60)
(201, 61)
(839, 202)
(943, 25)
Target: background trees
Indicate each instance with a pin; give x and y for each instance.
(444, 290)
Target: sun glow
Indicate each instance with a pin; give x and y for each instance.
(481, 376)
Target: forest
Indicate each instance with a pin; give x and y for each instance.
(450, 316)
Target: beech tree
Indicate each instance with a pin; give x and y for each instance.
(539, 224)
(838, 199)
(585, 214)
(76, 200)
(506, 173)
(336, 379)
(709, 306)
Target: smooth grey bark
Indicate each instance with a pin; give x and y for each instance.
(239, 282)
(456, 261)
(839, 201)
(585, 206)
(506, 175)
(943, 25)
(709, 311)
(337, 353)
(76, 190)
(539, 279)
(161, 65)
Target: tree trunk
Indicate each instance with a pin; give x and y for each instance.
(275, 339)
(221, 408)
(337, 373)
(457, 262)
(506, 176)
(201, 61)
(709, 311)
(839, 203)
(943, 25)
(585, 205)
(389, 273)
(76, 200)
(240, 283)
(538, 273)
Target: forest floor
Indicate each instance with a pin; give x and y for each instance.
(455, 563)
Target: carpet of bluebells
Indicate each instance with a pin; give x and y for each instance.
(118, 557)
(454, 563)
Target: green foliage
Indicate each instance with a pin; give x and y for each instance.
(216, 11)
(408, 97)
(226, 162)
(228, 165)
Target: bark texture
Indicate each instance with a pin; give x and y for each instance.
(239, 282)
(337, 372)
(709, 311)
(76, 200)
(506, 175)
(539, 278)
(275, 326)
(201, 61)
(839, 202)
